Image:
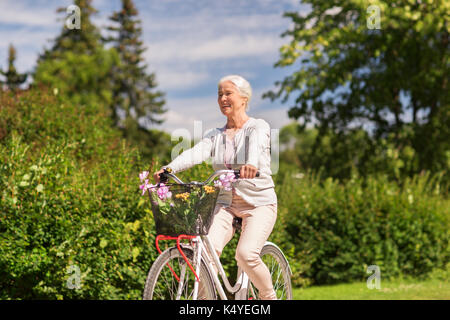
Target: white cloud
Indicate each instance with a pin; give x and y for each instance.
(236, 46)
(173, 79)
(225, 47)
(16, 12)
(276, 117)
(205, 35)
(185, 111)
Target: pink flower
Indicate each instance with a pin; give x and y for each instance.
(225, 181)
(144, 187)
(163, 192)
(143, 175)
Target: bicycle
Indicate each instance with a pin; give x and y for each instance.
(186, 271)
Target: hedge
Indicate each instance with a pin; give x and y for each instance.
(334, 231)
(70, 202)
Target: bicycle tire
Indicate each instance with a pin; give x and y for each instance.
(159, 271)
(279, 266)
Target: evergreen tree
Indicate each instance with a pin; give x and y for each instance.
(77, 62)
(85, 40)
(136, 102)
(13, 79)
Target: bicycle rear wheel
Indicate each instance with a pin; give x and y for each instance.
(280, 271)
(161, 283)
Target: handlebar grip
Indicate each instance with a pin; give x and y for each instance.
(237, 174)
(163, 177)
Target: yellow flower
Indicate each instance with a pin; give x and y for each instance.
(209, 189)
(183, 196)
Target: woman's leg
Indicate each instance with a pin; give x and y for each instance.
(221, 230)
(257, 224)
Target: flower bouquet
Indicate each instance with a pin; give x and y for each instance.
(183, 208)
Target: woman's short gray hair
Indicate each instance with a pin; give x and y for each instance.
(242, 85)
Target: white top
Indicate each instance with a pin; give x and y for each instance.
(252, 146)
(230, 151)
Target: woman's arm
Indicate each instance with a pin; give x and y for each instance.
(258, 144)
(196, 155)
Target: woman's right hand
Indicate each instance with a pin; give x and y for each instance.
(156, 175)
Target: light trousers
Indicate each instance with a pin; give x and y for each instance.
(257, 224)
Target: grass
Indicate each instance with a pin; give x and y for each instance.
(433, 289)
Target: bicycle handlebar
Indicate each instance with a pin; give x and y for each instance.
(164, 176)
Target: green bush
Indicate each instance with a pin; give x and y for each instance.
(332, 232)
(69, 197)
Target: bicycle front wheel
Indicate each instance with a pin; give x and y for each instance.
(162, 284)
(280, 271)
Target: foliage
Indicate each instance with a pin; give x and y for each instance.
(333, 231)
(387, 81)
(82, 78)
(339, 155)
(69, 198)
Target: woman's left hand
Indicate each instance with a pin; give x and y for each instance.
(247, 172)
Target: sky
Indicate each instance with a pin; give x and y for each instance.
(191, 44)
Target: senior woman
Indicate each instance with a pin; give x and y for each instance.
(243, 143)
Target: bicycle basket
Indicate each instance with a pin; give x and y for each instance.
(183, 208)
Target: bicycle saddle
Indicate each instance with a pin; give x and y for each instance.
(237, 223)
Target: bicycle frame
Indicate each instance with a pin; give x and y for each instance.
(206, 251)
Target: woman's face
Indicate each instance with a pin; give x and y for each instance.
(229, 99)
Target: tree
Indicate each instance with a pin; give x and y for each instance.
(392, 81)
(13, 79)
(136, 102)
(77, 63)
(85, 40)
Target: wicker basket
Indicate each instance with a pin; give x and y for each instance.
(187, 209)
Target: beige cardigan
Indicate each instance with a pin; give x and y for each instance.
(252, 147)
